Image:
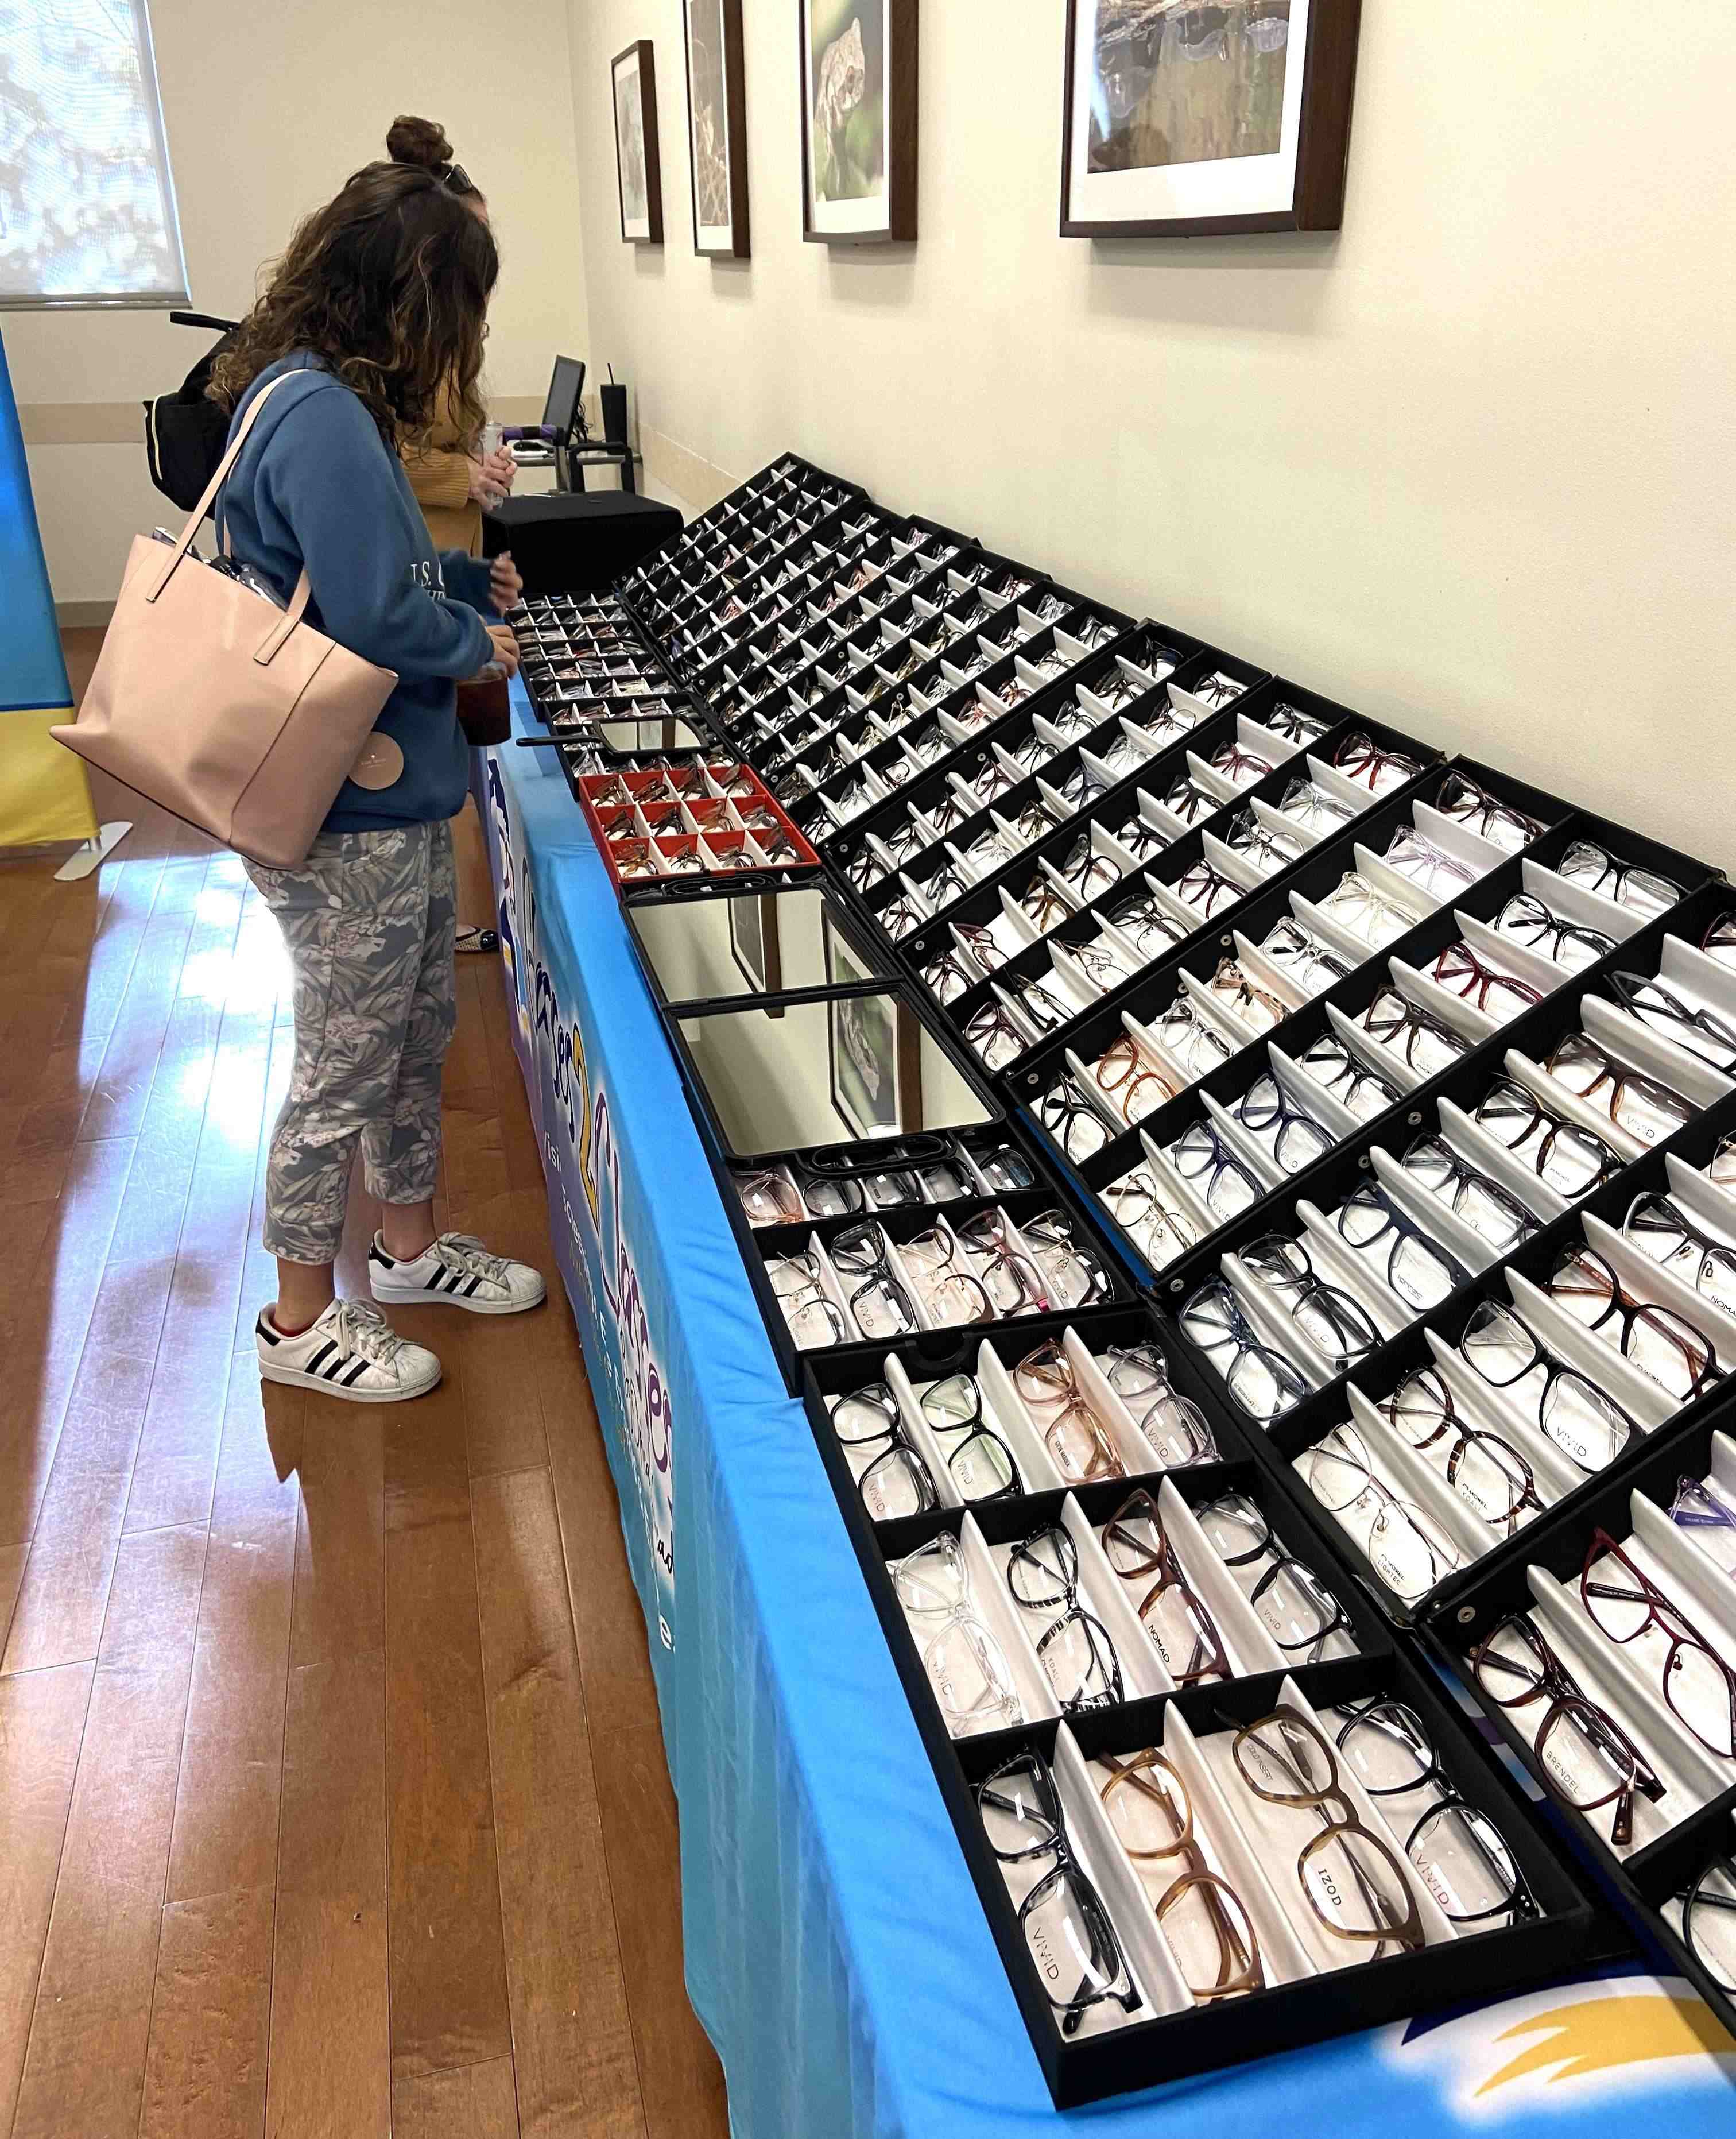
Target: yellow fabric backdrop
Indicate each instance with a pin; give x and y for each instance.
(44, 795)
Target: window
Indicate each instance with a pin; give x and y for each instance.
(87, 205)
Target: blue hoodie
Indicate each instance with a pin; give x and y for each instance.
(317, 486)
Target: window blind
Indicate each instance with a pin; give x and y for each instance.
(87, 202)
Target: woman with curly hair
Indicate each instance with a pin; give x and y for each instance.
(453, 477)
(375, 314)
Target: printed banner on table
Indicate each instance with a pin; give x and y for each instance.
(595, 1226)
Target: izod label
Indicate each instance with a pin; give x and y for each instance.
(1319, 1873)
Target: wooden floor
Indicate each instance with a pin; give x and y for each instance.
(332, 1796)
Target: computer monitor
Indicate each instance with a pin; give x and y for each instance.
(565, 386)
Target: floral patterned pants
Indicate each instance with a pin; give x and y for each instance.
(368, 920)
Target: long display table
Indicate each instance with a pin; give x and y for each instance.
(836, 1950)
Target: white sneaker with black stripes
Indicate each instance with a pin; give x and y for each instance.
(455, 1270)
(352, 1351)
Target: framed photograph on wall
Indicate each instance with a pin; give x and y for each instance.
(717, 127)
(638, 170)
(1188, 120)
(858, 97)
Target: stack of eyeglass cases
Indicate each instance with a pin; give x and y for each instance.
(1354, 1285)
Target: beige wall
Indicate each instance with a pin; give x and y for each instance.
(1468, 465)
(268, 110)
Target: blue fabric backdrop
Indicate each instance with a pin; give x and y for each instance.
(32, 672)
(836, 1950)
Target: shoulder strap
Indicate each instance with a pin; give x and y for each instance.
(216, 483)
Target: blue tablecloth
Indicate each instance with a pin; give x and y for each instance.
(836, 1950)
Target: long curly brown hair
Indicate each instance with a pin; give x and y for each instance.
(389, 284)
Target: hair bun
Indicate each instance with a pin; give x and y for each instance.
(412, 140)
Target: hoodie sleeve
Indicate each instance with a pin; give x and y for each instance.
(326, 471)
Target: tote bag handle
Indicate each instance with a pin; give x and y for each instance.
(280, 630)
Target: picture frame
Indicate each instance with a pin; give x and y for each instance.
(716, 127)
(639, 167)
(1207, 121)
(873, 1062)
(858, 91)
(755, 946)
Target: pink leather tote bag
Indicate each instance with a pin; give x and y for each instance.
(231, 713)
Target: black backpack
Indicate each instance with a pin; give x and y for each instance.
(185, 433)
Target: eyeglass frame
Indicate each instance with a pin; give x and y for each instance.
(1352, 1451)
(1557, 1684)
(1609, 1166)
(1556, 1370)
(1522, 1905)
(1269, 1258)
(1408, 1935)
(1240, 1332)
(1072, 1613)
(1071, 1403)
(974, 1428)
(1400, 1223)
(1463, 1436)
(1630, 1313)
(1683, 1635)
(1172, 1577)
(871, 1235)
(1463, 1178)
(1240, 1969)
(1067, 1868)
(897, 1443)
(1621, 1080)
(1282, 1560)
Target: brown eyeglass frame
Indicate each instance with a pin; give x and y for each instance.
(1230, 979)
(1106, 1460)
(1408, 1936)
(1359, 754)
(1465, 1437)
(1209, 1643)
(1131, 1071)
(1044, 906)
(1553, 1683)
(1240, 1967)
(1232, 760)
(1481, 977)
(1610, 1073)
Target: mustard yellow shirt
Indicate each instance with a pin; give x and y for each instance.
(439, 473)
